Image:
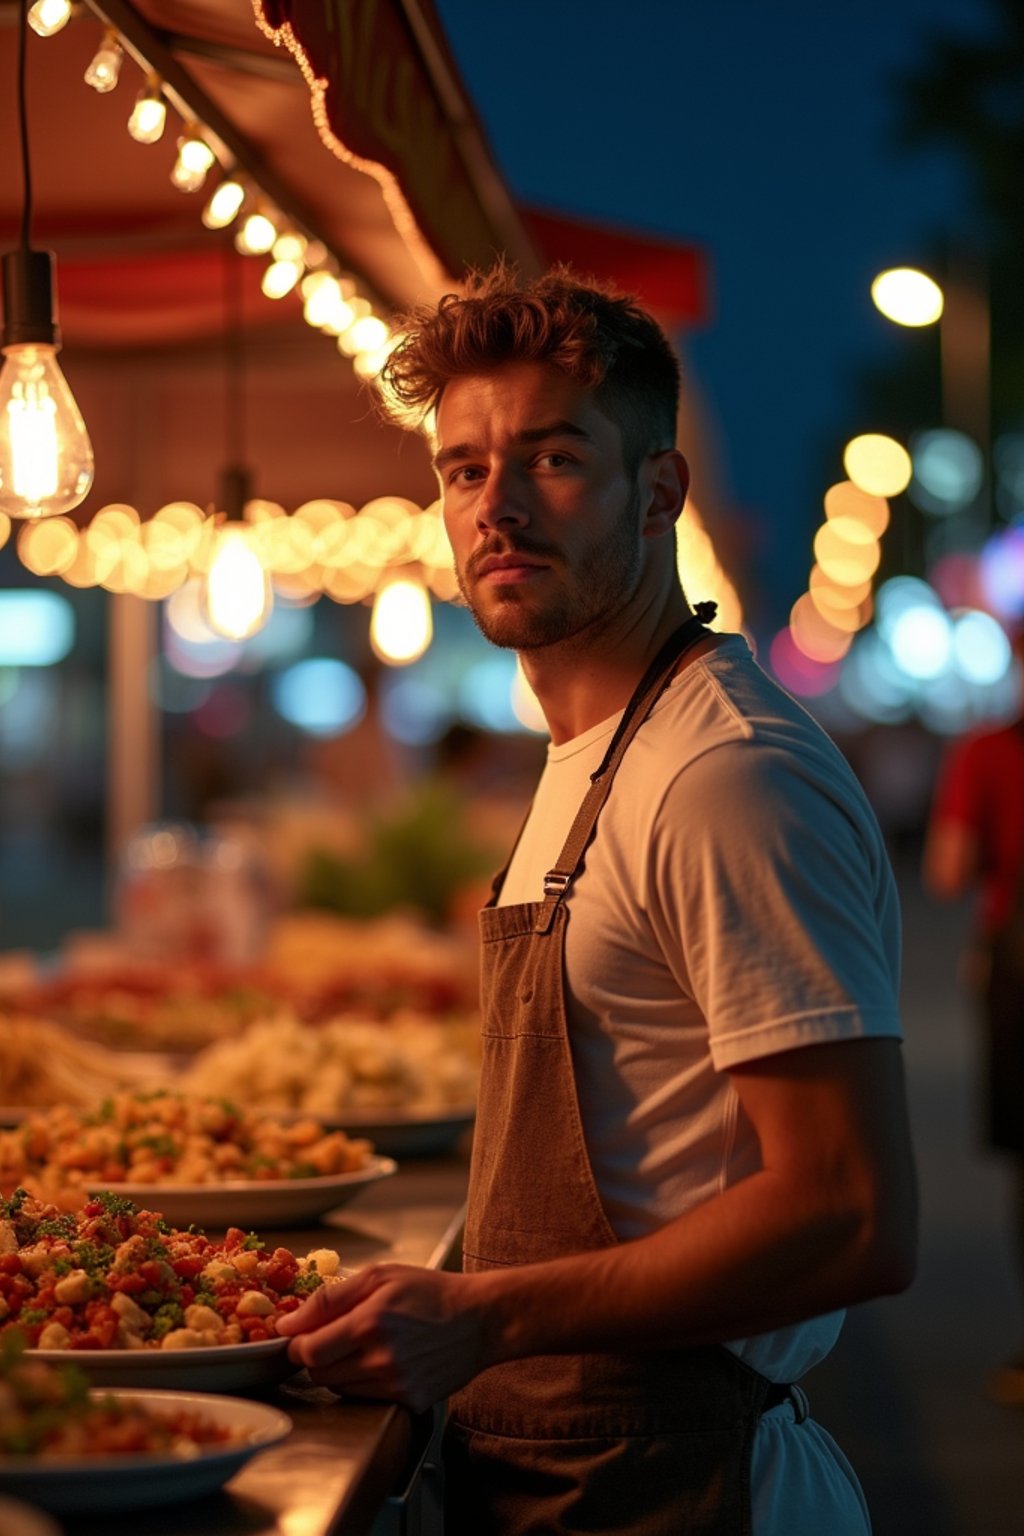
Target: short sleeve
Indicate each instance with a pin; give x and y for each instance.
(771, 891)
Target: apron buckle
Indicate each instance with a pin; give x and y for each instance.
(555, 882)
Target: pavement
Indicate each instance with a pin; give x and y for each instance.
(904, 1392)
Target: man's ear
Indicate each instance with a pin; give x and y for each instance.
(669, 481)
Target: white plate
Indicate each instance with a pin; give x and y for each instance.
(97, 1483)
(271, 1203)
(405, 1132)
(18, 1519)
(221, 1368)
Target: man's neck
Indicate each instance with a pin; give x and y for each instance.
(587, 679)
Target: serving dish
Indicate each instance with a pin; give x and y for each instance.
(405, 1132)
(270, 1203)
(92, 1484)
(217, 1368)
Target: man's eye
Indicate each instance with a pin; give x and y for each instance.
(554, 460)
(464, 474)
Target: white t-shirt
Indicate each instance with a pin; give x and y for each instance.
(736, 901)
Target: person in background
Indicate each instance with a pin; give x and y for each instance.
(691, 1148)
(975, 842)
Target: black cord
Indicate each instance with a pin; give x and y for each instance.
(26, 207)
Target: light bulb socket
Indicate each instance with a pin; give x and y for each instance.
(235, 490)
(30, 299)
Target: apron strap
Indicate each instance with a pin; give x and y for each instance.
(646, 694)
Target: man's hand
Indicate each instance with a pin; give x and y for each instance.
(391, 1332)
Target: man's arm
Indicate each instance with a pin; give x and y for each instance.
(829, 1219)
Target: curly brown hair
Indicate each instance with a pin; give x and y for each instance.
(599, 337)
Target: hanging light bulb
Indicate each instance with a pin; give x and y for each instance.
(149, 114)
(237, 598)
(46, 461)
(224, 204)
(280, 278)
(402, 623)
(257, 234)
(105, 70)
(290, 246)
(48, 16)
(195, 158)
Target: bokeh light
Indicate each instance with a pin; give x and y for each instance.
(981, 649)
(877, 464)
(948, 471)
(37, 629)
(322, 696)
(907, 296)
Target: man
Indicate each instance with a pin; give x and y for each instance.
(691, 1135)
(975, 841)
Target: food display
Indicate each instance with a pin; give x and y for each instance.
(43, 1063)
(165, 1138)
(75, 1449)
(49, 1411)
(114, 1277)
(316, 965)
(346, 1063)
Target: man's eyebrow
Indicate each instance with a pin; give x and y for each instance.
(541, 434)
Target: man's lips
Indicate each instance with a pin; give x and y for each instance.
(508, 568)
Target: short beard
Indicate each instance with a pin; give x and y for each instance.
(602, 586)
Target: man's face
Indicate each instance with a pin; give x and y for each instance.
(541, 514)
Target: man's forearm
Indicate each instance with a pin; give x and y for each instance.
(745, 1262)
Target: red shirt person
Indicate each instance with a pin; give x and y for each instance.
(975, 842)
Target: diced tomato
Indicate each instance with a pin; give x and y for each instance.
(130, 1284)
(188, 1266)
(253, 1328)
(10, 1264)
(281, 1269)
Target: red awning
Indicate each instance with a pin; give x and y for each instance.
(669, 276)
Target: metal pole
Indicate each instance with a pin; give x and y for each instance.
(133, 737)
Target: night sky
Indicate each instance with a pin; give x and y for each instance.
(767, 134)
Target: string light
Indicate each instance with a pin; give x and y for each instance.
(224, 204)
(195, 157)
(104, 71)
(280, 278)
(257, 234)
(149, 114)
(48, 16)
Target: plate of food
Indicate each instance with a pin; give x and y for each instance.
(245, 1367)
(192, 1157)
(75, 1449)
(406, 1133)
(276, 1203)
(134, 1301)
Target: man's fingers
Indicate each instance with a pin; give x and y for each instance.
(326, 1302)
(321, 1347)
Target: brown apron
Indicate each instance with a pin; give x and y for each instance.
(639, 1442)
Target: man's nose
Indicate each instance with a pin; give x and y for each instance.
(501, 501)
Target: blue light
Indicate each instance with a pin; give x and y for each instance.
(415, 710)
(485, 694)
(321, 696)
(37, 629)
